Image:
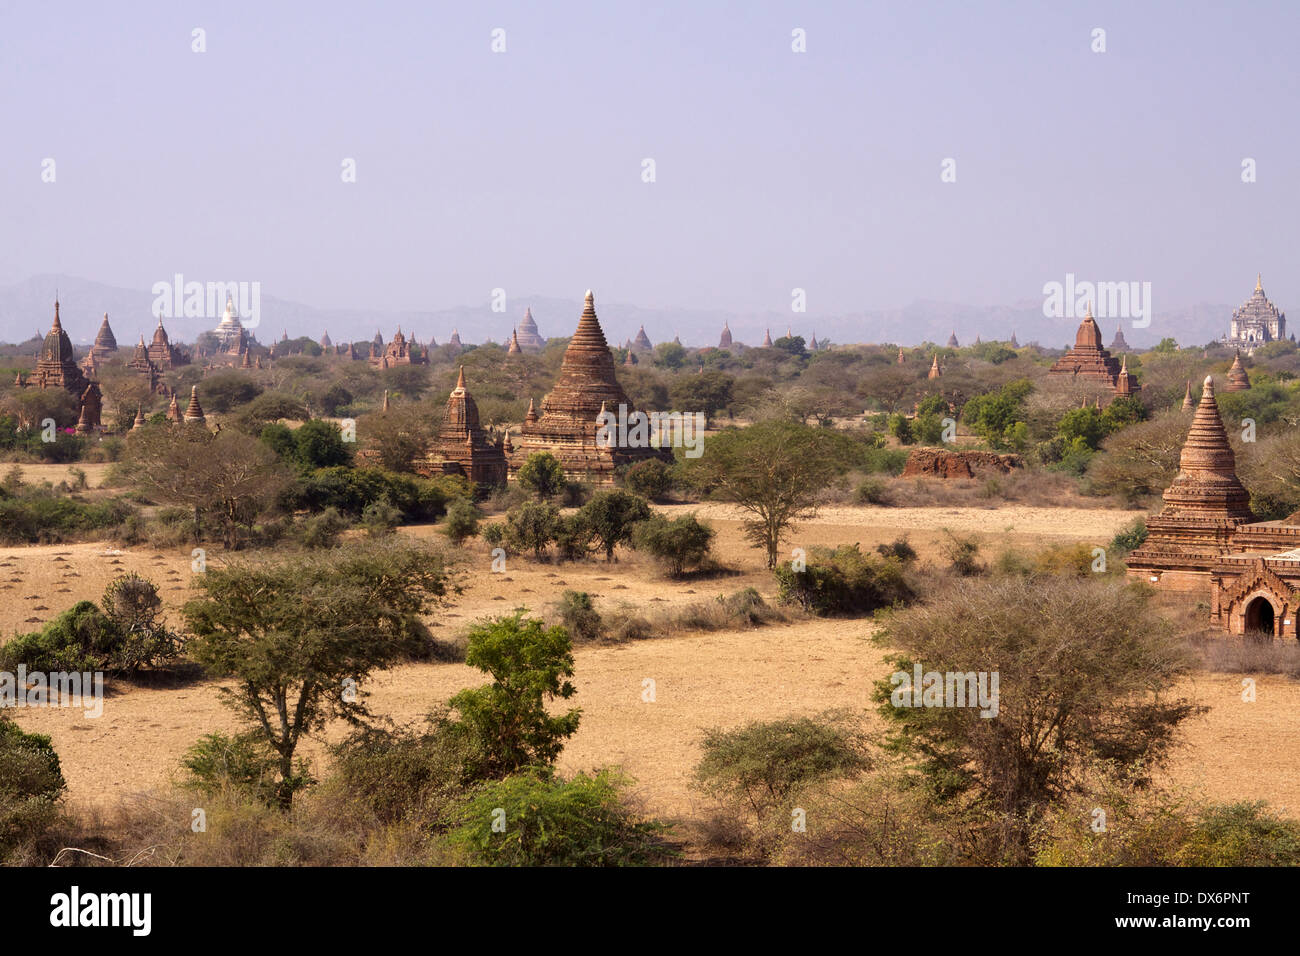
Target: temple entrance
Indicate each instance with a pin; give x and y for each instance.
(1259, 617)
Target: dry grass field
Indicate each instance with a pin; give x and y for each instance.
(1236, 750)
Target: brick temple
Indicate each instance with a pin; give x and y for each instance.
(567, 425)
(57, 368)
(462, 447)
(1088, 362)
(1204, 542)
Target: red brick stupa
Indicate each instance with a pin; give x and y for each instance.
(567, 426)
(1203, 507)
(105, 342)
(1238, 380)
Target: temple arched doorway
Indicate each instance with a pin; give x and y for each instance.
(1259, 617)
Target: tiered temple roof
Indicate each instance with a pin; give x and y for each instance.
(952, 340)
(461, 446)
(527, 334)
(1256, 322)
(194, 412)
(1088, 361)
(724, 340)
(642, 341)
(1202, 507)
(105, 342)
(568, 424)
(1238, 380)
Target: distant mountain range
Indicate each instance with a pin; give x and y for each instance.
(27, 308)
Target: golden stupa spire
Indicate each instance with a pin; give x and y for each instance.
(1259, 278)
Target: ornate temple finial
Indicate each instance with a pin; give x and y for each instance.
(1259, 279)
(460, 379)
(1209, 388)
(1088, 314)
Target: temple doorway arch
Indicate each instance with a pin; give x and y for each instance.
(1260, 617)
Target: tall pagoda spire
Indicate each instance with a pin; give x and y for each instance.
(1207, 483)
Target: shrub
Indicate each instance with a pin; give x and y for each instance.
(462, 521)
(871, 491)
(652, 479)
(398, 774)
(133, 605)
(900, 550)
(31, 785)
(1131, 538)
(508, 720)
(572, 537)
(531, 527)
(963, 555)
(380, 518)
(610, 517)
(80, 639)
(495, 534)
(678, 544)
(322, 530)
(219, 763)
(843, 581)
(763, 763)
(579, 615)
(541, 475)
(582, 821)
(350, 490)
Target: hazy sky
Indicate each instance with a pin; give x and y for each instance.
(774, 169)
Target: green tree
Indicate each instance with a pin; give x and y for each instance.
(531, 527)
(542, 475)
(320, 444)
(611, 515)
(299, 636)
(678, 544)
(773, 470)
(1085, 672)
(508, 719)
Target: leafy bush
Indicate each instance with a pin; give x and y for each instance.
(31, 785)
(762, 763)
(220, 763)
(541, 475)
(350, 490)
(531, 527)
(507, 720)
(322, 530)
(652, 479)
(380, 518)
(871, 491)
(1131, 538)
(45, 518)
(582, 821)
(678, 544)
(462, 521)
(579, 615)
(572, 536)
(495, 534)
(400, 774)
(843, 581)
(900, 549)
(610, 516)
(127, 634)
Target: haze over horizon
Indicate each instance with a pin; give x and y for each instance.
(774, 170)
